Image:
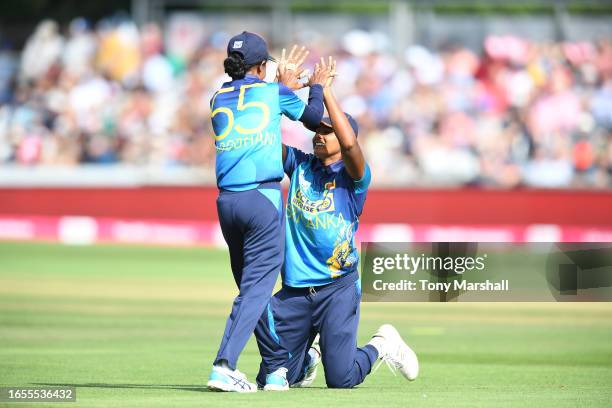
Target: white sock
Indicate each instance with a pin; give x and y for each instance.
(313, 353)
(378, 343)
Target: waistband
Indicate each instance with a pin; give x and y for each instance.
(344, 280)
(274, 184)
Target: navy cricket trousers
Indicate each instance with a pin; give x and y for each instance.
(296, 315)
(253, 226)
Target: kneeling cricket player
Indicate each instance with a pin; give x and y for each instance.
(321, 288)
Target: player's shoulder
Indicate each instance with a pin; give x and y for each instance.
(362, 185)
(303, 158)
(271, 88)
(284, 90)
(224, 88)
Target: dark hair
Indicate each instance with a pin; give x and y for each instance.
(234, 66)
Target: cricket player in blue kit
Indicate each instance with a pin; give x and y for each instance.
(321, 289)
(246, 114)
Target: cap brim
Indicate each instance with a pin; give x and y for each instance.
(320, 125)
(271, 58)
(326, 125)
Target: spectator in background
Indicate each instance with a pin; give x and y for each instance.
(8, 72)
(118, 54)
(42, 50)
(520, 113)
(80, 50)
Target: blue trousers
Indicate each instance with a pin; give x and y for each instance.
(296, 315)
(253, 226)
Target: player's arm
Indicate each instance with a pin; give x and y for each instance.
(295, 109)
(354, 162)
(313, 112)
(288, 73)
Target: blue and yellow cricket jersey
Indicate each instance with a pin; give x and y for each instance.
(323, 209)
(246, 115)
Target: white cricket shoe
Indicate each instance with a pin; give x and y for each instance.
(395, 352)
(277, 381)
(228, 380)
(311, 370)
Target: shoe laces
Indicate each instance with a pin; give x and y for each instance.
(281, 371)
(392, 360)
(240, 374)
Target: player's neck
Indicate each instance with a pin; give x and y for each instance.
(326, 161)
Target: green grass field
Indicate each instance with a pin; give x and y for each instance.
(139, 327)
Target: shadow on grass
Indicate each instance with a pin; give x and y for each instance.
(197, 388)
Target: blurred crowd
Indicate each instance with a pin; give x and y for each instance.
(516, 113)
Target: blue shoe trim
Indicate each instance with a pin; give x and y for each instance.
(217, 376)
(275, 379)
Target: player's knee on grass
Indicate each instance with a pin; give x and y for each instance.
(338, 380)
(339, 383)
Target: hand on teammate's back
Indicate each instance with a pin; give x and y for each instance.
(290, 68)
(324, 73)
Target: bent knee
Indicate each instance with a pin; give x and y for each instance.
(339, 383)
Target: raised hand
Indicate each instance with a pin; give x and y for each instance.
(290, 68)
(324, 73)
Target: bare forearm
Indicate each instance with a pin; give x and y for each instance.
(342, 127)
(351, 151)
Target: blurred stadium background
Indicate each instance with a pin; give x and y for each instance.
(482, 121)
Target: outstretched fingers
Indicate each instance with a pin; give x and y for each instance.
(323, 65)
(302, 56)
(293, 49)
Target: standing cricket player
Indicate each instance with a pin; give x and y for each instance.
(246, 115)
(321, 291)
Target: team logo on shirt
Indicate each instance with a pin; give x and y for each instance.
(343, 255)
(324, 204)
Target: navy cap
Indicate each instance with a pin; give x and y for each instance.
(326, 122)
(252, 47)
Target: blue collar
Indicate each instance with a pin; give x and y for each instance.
(248, 78)
(333, 168)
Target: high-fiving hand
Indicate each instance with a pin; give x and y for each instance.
(290, 68)
(324, 73)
